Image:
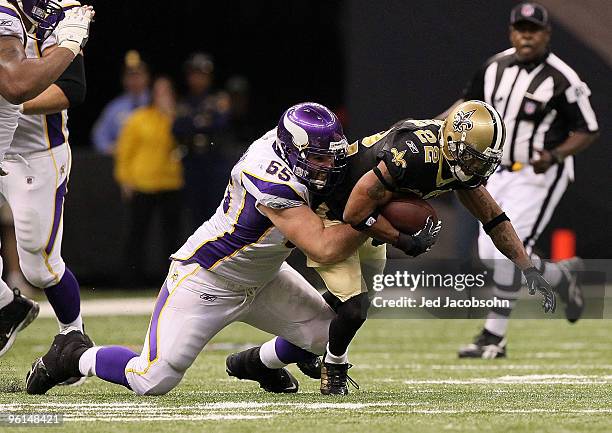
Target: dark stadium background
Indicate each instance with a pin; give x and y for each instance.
(380, 60)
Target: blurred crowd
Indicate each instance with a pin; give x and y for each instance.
(171, 151)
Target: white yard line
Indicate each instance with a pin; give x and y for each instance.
(529, 379)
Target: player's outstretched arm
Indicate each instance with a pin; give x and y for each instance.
(480, 203)
(306, 231)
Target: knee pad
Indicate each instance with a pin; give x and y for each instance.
(160, 379)
(38, 272)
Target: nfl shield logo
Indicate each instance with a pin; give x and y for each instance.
(530, 107)
(527, 10)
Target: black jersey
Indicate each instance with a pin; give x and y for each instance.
(411, 151)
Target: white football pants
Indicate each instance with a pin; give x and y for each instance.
(34, 189)
(194, 304)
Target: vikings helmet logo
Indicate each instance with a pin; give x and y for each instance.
(462, 121)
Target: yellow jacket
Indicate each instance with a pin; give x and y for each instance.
(146, 158)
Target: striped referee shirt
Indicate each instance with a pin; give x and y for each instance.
(540, 102)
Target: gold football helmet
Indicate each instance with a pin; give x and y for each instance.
(473, 137)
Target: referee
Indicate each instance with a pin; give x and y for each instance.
(545, 106)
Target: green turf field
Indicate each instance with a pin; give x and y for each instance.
(558, 379)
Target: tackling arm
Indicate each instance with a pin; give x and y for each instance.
(305, 230)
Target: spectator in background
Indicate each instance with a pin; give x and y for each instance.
(202, 115)
(136, 94)
(150, 174)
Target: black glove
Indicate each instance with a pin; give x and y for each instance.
(421, 241)
(535, 281)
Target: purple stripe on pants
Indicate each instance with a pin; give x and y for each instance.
(55, 133)
(159, 304)
(60, 193)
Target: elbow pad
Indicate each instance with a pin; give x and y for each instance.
(73, 83)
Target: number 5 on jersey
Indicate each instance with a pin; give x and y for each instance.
(284, 174)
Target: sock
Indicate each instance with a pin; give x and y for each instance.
(351, 314)
(109, 364)
(65, 298)
(496, 324)
(76, 323)
(268, 356)
(87, 362)
(333, 359)
(6, 294)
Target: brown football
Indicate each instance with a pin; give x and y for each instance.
(408, 214)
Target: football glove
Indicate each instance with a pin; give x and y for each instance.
(536, 282)
(421, 241)
(73, 29)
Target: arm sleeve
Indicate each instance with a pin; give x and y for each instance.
(72, 82)
(575, 106)
(474, 89)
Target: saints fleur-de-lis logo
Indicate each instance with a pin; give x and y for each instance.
(462, 121)
(398, 157)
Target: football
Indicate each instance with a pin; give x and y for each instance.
(408, 214)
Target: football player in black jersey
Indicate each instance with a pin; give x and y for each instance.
(422, 157)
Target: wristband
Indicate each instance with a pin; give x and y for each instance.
(73, 46)
(367, 222)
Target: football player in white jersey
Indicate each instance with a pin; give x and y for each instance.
(233, 269)
(25, 73)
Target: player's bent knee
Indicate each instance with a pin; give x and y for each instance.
(355, 309)
(159, 379)
(41, 276)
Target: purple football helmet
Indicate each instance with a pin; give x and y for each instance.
(45, 15)
(311, 138)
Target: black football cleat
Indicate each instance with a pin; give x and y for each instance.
(246, 365)
(485, 346)
(570, 290)
(311, 367)
(59, 364)
(14, 317)
(335, 378)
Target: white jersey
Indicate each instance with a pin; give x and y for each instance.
(38, 131)
(10, 25)
(238, 242)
